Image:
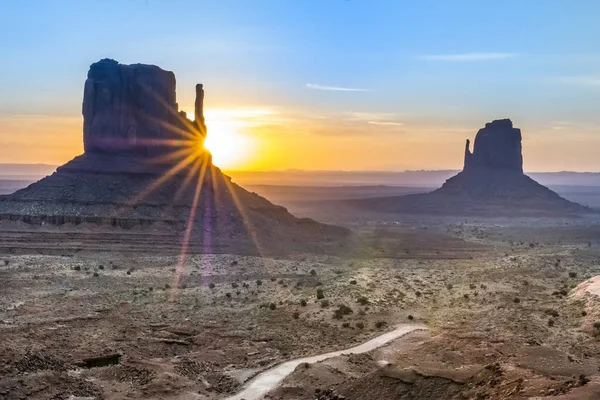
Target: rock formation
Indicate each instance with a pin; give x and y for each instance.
(497, 146)
(491, 182)
(145, 166)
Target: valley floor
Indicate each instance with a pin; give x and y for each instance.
(504, 321)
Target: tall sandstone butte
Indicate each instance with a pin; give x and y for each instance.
(497, 146)
(492, 182)
(145, 166)
(132, 109)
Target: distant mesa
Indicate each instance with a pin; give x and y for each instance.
(145, 168)
(491, 182)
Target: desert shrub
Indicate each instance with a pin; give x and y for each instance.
(572, 274)
(418, 294)
(563, 292)
(583, 313)
(228, 295)
(313, 272)
(273, 279)
(272, 306)
(380, 324)
(234, 285)
(550, 322)
(6, 262)
(516, 300)
(353, 282)
(296, 315)
(552, 312)
(258, 282)
(472, 286)
(303, 303)
(360, 325)
(341, 311)
(324, 303)
(410, 317)
(466, 296)
(449, 286)
(211, 285)
(77, 268)
(245, 285)
(100, 266)
(129, 271)
(362, 300)
(167, 286)
(525, 283)
(320, 294)
(596, 325)
(482, 286)
(96, 275)
(234, 263)
(346, 325)
(361, 312)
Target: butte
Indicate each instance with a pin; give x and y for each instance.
(146, 183)
(492, 183)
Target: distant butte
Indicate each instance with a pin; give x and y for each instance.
(145, 168)
(492, 182)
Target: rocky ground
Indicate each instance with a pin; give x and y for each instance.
(496, 298)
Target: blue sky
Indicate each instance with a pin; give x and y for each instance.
(426, 66)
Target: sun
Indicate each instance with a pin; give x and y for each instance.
(229, 147)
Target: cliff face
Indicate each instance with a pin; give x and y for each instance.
(497, 146)
(133, 109)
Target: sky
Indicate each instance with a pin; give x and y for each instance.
(318, 84)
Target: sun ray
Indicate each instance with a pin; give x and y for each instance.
(188, 232)
(163, 178)
(190, 175)
(249, 226)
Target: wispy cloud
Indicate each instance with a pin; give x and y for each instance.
(385, 123)
(468, 56)
(334, 88)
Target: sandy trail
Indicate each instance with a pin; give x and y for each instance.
(268, 380)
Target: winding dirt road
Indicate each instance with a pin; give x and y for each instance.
(268, 380)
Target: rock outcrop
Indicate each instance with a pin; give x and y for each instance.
(492, 182)
(145, 167)
(497, 146)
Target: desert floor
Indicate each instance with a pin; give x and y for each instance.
(498, 298)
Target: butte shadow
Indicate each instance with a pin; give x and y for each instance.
(145, 179)
(492, 183)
